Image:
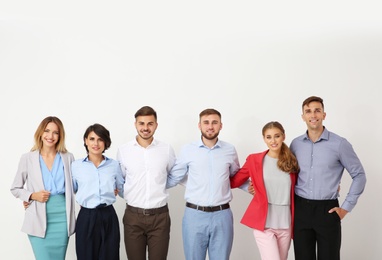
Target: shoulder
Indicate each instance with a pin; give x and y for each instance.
(32, 155)
(112, 161)
(77, 162)
(335, 137)
(67, 155)
(226, 145)
(160, 143)
(257, 156)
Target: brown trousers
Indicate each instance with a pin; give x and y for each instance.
(146, 229)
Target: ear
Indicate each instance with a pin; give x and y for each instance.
(324, 116)
(221, 126)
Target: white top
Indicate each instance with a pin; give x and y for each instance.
(145, 171)
(278, 185)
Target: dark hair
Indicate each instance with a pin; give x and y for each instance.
(146, 111)
(102, 132)
(287, 162)
(60, 145)
(312, 99)
(209, 111)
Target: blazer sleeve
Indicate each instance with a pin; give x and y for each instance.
(241, 176)
(17, 188)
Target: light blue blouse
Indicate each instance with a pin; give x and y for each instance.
(54, 180)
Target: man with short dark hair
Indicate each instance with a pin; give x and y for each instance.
(322, 157)
(145, 162)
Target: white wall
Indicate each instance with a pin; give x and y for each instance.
(94, 61)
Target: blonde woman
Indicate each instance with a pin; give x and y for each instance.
(43, 181)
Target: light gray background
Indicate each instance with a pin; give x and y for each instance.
(94, 61)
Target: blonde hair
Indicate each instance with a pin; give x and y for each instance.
(60, 145)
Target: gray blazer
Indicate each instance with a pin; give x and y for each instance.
(29, 172)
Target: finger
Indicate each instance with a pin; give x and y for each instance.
(333, 210)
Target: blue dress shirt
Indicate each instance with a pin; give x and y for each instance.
(207, 171)
(95, 185)
(322, 164)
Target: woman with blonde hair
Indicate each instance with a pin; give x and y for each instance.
(44, 182)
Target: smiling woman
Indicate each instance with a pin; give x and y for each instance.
(254, 61)
(273, 175)
(96, 180)
(48, 195)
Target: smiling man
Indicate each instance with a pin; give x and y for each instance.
(145, 162)
(322, 157)
(207, 164)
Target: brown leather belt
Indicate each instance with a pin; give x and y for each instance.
(152, 211)
(208, 208)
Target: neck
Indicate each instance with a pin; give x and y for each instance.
(314, 134)
(273, 154)
(51, 151)
(144, 142)
(209, 143)
(96, 159)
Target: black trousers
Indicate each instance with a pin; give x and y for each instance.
(315, 226)
(97, 234)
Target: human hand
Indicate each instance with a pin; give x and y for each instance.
(116, 192)
(25, 204)
(250, 188)
(40, 196)
(340, 211)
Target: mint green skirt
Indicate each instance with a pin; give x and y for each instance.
(55, 243)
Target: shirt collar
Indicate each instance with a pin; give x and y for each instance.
(324, 135)
(153, 143)
(201, 144)
(86, 159)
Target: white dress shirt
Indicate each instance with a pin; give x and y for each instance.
(145, 171)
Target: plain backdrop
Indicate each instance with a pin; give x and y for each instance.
(255, 61)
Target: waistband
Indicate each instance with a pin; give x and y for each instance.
(315, 202)
(147, 212)
(100, 206)
(207, 208)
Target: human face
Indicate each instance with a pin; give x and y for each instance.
(95, 144)
(51, 135)
(313, 115)
(146, 126)
(210, 126)
(274, 138)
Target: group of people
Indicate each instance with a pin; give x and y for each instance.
(295, 191)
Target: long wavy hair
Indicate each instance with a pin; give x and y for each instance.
(287, 162)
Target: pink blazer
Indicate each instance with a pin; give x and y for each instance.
(256, 213)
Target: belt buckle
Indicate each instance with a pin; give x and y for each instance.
(144, 212)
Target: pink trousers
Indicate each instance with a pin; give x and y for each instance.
(273, 244)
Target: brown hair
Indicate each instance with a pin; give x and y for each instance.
(312, 99)
(146, 111)
(287, 162)
(209, 111)
(60, 145)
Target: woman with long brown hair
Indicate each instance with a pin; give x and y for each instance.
(273, 175)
